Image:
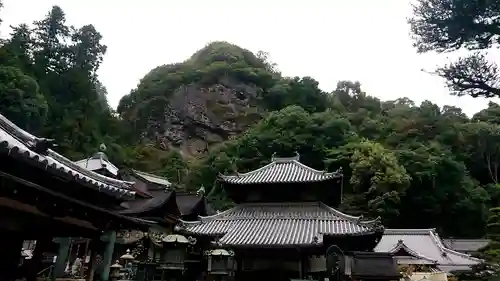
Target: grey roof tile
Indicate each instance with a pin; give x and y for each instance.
(466, 245)
(97, 162)
(281, 170)
(425, 242)
(143, 205)
(19, 143)
(280, 224)
(153, 178)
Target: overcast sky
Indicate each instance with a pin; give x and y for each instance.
(330, 40)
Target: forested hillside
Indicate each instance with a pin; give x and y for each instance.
(226, 109)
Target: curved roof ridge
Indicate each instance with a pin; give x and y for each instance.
(118, 183)
(346, 216)
(215, 216)
(16, 131)
(285, 159)
(402, 245)
(312, 169)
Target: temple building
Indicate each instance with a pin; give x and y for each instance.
(285, 226)
(424, 248)
(45, 195)
(156, 200)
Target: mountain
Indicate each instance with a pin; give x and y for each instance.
(210, 97)
(213, 96)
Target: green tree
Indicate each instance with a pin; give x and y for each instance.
(449, 25)
(21, 100)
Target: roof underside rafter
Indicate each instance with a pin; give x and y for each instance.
(36, 151)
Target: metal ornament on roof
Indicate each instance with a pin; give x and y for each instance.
(219, 252)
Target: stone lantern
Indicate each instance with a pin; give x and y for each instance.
(175, 250)
(114, 272)
(220, 263)
(128, 259)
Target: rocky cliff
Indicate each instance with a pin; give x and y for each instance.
(209, 98)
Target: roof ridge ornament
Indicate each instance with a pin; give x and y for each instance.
(275, 158)
(42, 145)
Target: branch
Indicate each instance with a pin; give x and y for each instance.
(448, 25)
(472, 75)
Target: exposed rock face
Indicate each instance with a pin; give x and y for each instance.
(197, 118)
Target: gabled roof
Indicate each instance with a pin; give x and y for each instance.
(36, 151)
(413, 257)
(281, 170)
(280, 225)
(466, 245)
(187, 202)
(152, 178)
(425, 243)
(97, 162)
(143, 205)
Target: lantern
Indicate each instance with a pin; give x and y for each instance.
(129, 267)
(220, 262)
(114, 272)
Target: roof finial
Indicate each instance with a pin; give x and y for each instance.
(273, 157)
(297, 156)
(102, 147)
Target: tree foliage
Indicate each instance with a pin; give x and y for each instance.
(450, 25)
(416, 166)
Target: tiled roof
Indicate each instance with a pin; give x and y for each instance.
(413, 256)
(187, 202)
(143, 205)
(425, 242)
(97, 162)
(281, 170)
(466, 245)
(20, 144)
(280, 224)
(153, 178)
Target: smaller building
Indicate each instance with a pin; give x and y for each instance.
(424, 250)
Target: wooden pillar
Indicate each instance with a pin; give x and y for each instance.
(108, 255)
(62, 256)
(11, 255)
